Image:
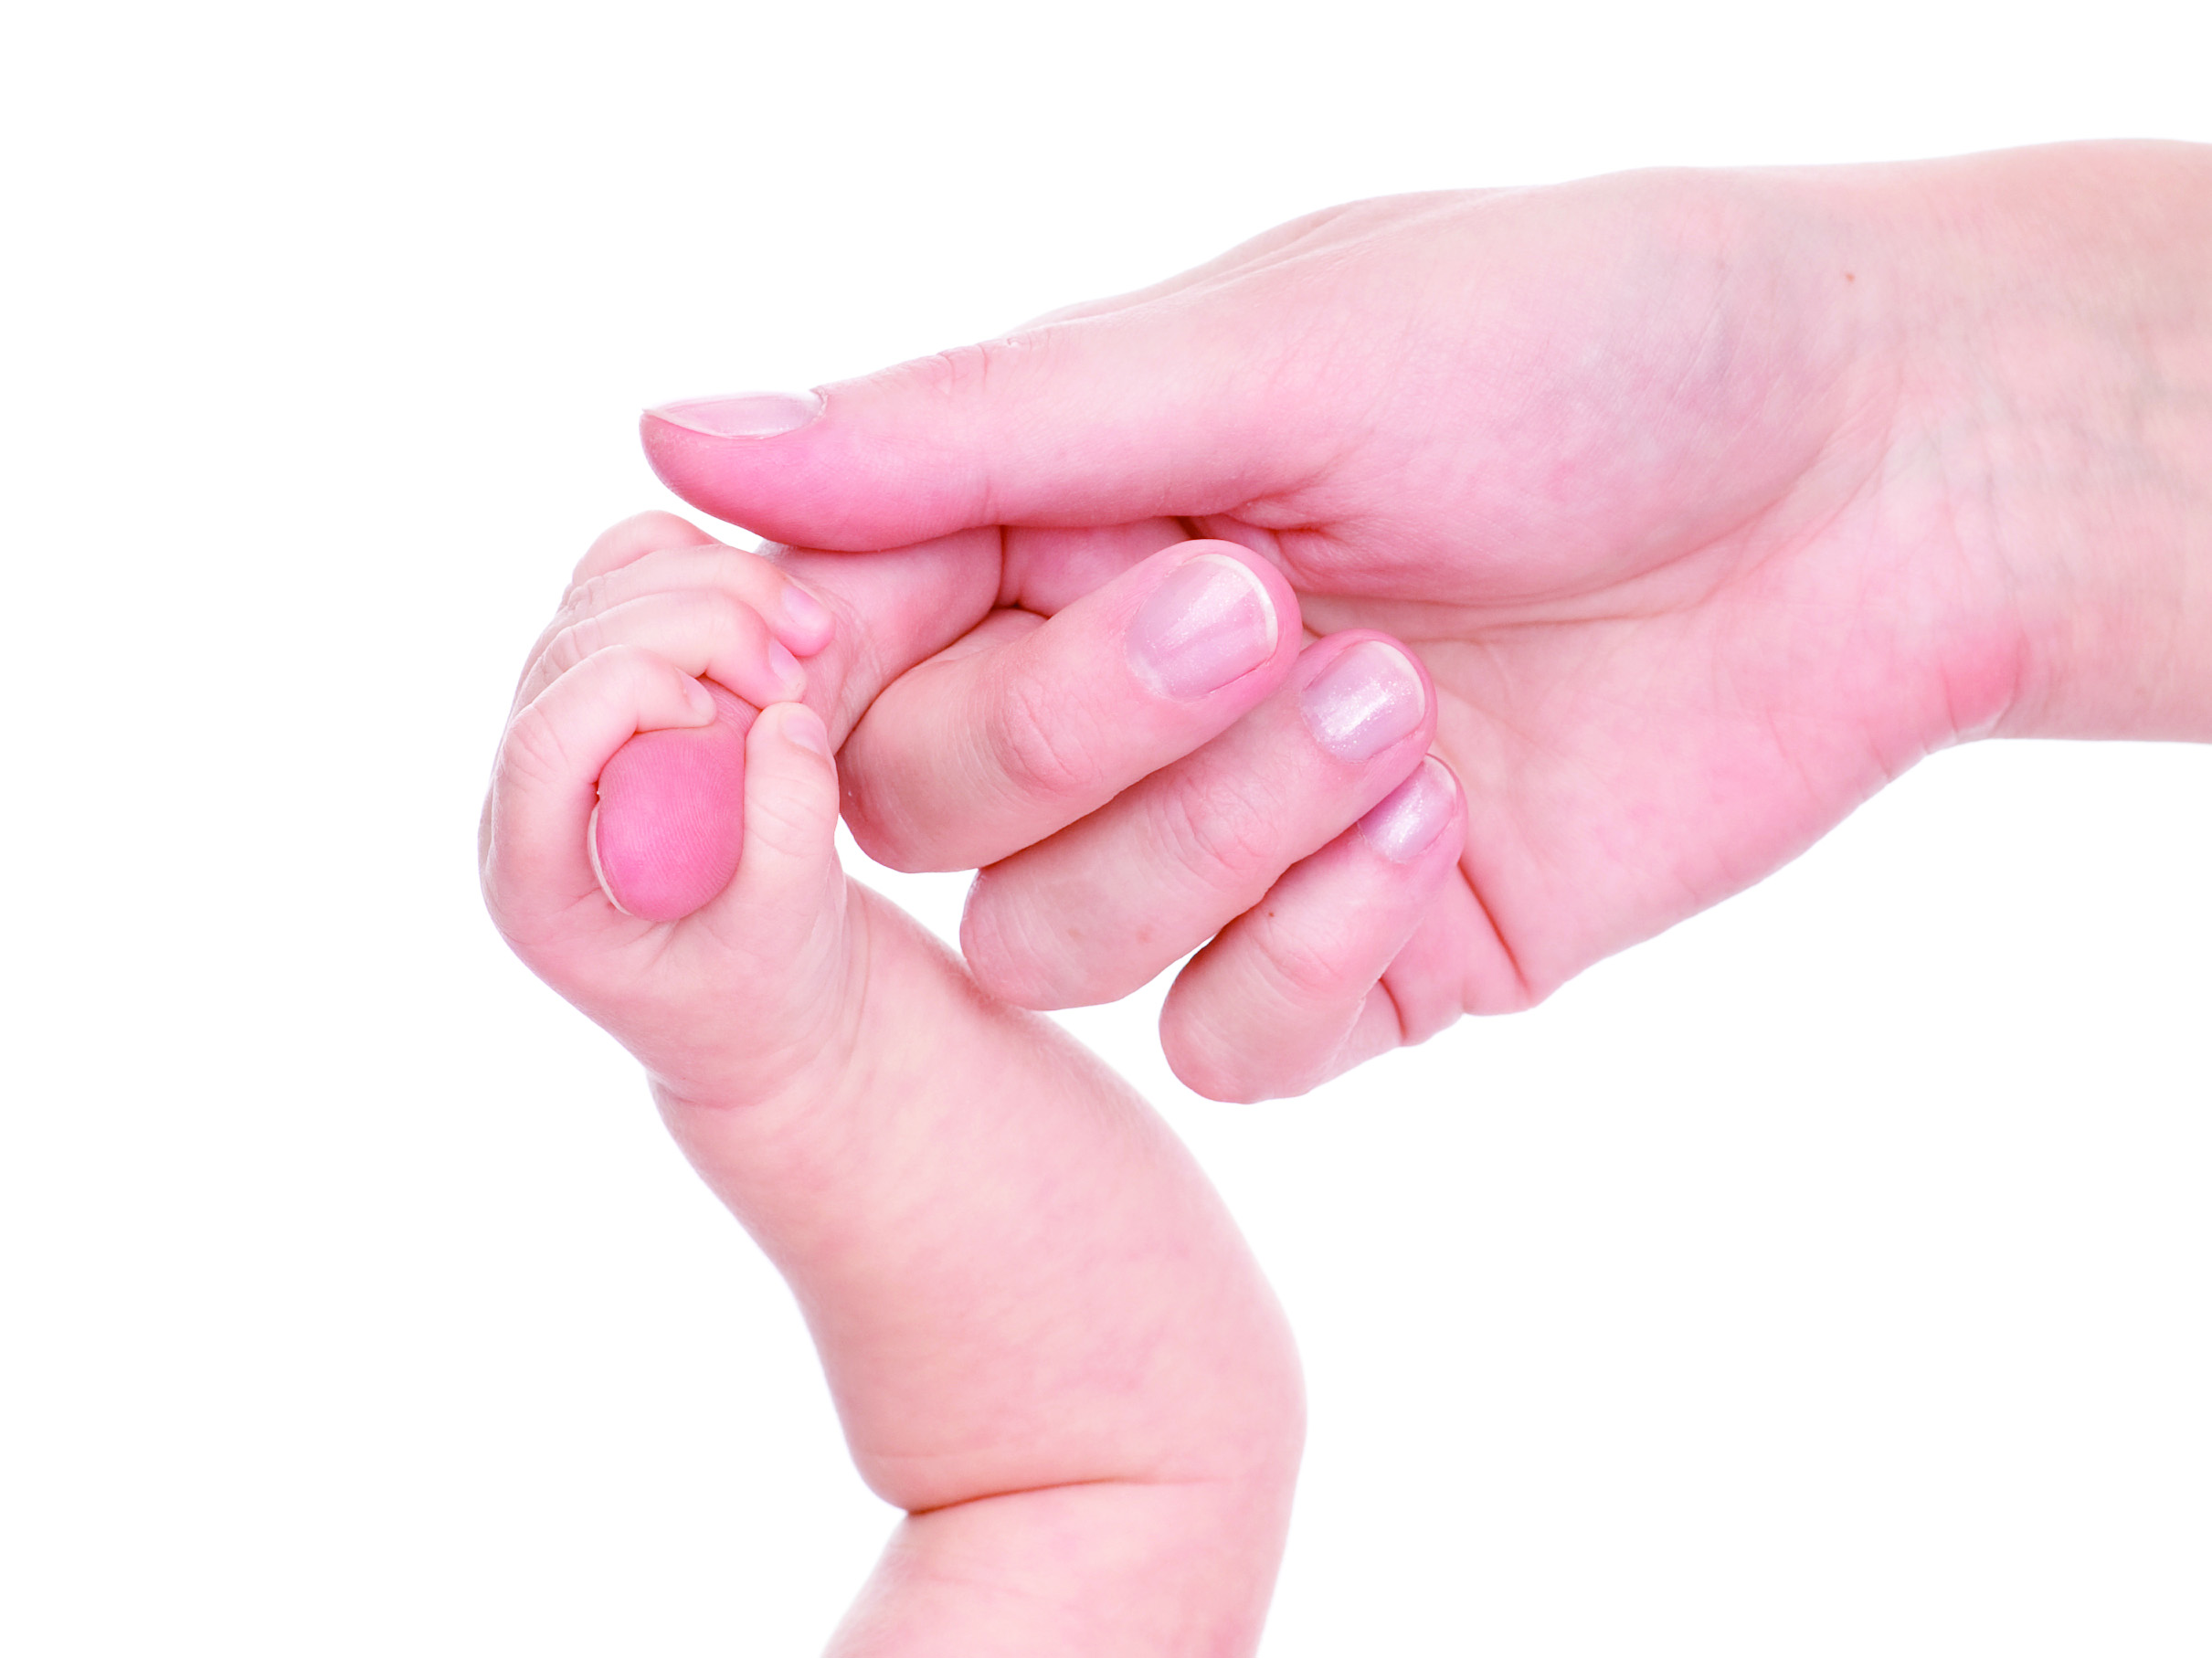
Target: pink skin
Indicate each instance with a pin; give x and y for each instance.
(1709, 502)
(670, 824)
(1169, 663)
(667, 831)
(1044, 1337)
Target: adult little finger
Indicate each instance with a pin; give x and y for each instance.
(1269, 1008)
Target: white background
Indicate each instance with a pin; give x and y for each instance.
(1831, 1276)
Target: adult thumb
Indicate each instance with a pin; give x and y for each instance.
(1170, 408)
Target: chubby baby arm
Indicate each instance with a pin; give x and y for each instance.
(1046, 1340)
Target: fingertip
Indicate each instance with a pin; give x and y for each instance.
(1186, 1044)
(1366, 695)
(802, 621)
(793, 776)
(1068, 424)
(599, 777)
(1415, 815)
(1289, 994)
(1213, 615)
(685, 462)
(803, 729)
(773, 489)
(1285, 621)
(790, 813)
(1281, 596)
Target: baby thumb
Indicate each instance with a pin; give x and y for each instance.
(668, 830)
(789, 863)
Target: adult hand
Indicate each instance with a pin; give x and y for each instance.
(1708, 503)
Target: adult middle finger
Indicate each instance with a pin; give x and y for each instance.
(1026, 725)
(1094, 911)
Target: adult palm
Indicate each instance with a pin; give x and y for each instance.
(1711, 503)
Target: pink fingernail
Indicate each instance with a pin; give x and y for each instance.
(1413, 815)
(805, 615)
(1209, 623)
(802, 728)
(789, 673)
(1366, 700)
(745, 414)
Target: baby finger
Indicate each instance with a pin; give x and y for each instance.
(537, 863)
(702, 631)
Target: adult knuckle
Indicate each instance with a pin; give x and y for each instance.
(1222, 830)
(961, 371)
(1039, 747)
(1306, 964)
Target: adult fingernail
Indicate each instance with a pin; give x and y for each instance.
(1209, 623)
(1413, 815)
(746, 415)
(1366, 700)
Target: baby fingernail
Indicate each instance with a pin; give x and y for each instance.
(1209, 623)
(1366, 700)
(786, 667)
(591, 844)
(1413, 815)
(803, 614)
(745, 414)
(802, 728)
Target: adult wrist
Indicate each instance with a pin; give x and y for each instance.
(2059, 385)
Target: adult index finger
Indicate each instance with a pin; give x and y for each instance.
(1016, 734)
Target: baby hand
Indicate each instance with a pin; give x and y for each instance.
(634, 769)
(1045, 1339)
(670, 826)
